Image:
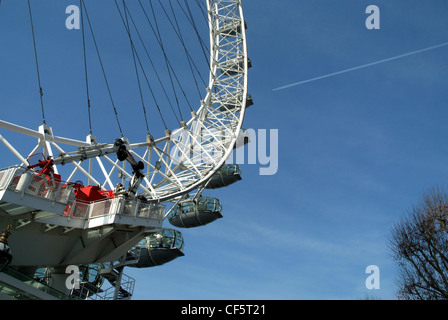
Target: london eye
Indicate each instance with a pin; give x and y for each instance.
(101, 205)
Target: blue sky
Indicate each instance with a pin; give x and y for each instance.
(355, 150)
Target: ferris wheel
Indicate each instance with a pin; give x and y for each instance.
(185, 158)
(103, 220)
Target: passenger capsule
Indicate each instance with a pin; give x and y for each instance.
(158, 248)
(195, 212)
(231, 28)
(234, 66)
(231, 101)
(226, 175)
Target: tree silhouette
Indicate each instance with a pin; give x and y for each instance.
(420, 247)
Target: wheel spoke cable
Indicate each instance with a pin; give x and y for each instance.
(141, 66)
(165, 56)
(193, 24)
(41, 94)
(178, 32)
(201, 6)
(135, 64)
(85, 66)
(149, 58)
(102, 68)
(166, 61)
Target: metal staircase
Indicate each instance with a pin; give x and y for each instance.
(122, 286)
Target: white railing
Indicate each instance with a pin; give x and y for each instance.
(6, 176)
(112, 206)
(35, 184)
(125, 290)
(23, 181)
(121, 286)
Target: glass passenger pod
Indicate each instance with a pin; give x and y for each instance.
(242, 139)
(225, 176)
(234, 100)
(158, 248)
(233, 66)
(194, 213)
(231, 28)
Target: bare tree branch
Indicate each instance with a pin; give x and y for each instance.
(419, 243)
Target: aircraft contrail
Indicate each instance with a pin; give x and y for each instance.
(362, 66)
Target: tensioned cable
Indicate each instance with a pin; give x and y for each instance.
(37, 64)
(85, 67)
(190, 18)
(150, 60)
(140, 63)
(193, 24)
(178, 32)
(102, 67)
(135, 65)
(167, 60)
(201, 6)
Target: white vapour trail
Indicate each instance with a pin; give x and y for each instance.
(361, 66)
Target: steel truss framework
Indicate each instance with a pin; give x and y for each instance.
(184, 159)
(43, 212)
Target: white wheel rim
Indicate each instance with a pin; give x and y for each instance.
(186, 158)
